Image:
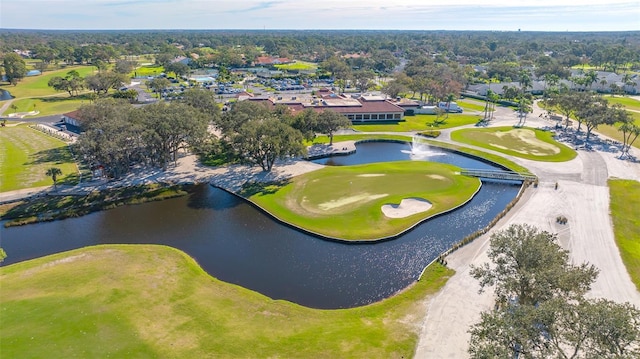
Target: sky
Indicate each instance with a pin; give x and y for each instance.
(496, 15)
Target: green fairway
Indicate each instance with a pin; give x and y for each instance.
(133, 301)
(297, 66)
(526, 143)
(628, 102)
(36, 86)
(27, 154)
(419, 123)
(147, 71)
(48, 105)
(360, 202)
(625, 202)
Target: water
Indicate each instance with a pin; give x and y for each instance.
(236, 243)
(5, 95)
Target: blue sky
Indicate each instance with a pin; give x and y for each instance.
(500, 15)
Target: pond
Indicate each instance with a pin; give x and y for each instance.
(236, 243)
(5, 95)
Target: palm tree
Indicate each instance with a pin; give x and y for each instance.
(54, 172)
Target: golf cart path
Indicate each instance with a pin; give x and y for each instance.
(583, 197)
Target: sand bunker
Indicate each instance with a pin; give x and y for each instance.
(406, 208)
(349, 200)
(528, 137)
(438, 177)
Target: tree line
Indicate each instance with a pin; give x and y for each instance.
(119, 136)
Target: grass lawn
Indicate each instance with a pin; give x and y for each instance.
(628, 102)
(419, 123)
(27, 154)
(529, 143)
(147, 71)
(48, 105)
(37, 85)
(131, 301)
(346, 202)
(625, 202)
(612, 131)
(297, 66)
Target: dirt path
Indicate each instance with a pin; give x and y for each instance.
(583, 197)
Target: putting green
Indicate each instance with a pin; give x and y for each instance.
(526, 143)
(366, 202)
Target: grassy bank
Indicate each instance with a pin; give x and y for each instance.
(153, 301)
(346, 202)
(528, 143)
(625, 202)
(59, 207)
(27, 154)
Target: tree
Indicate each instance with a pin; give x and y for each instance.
(541, 311)
(630, 132)
(178, 68)
(102, 82)
(158, 84)
(240, 113)
(71, 83)
(15, 68)
(306, 122)
(393, 88)
(263, 141)
(124, 66)
(54, 172)
(170, 128)
(531, 278)
(3, 255)
(363, 80)
(164, 59)
(203, 101)
(330, 121)
(594, 113)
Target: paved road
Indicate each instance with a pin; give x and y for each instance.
(583, 197)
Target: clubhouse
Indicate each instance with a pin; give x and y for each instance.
(361, 108)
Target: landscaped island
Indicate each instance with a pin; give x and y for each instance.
(365, 202)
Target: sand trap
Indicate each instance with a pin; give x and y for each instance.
(438, 177)
(371, 175)
(406, 208)
(529, 137)
(349, 200)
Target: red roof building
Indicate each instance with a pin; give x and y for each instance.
(361, 109)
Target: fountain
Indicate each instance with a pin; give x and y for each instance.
(420, 149)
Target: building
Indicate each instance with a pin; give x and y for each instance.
(364, 108)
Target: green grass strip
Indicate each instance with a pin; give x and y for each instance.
(154, 301)
(625, 202)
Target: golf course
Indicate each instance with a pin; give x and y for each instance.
(365, 202)
(529, 143)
